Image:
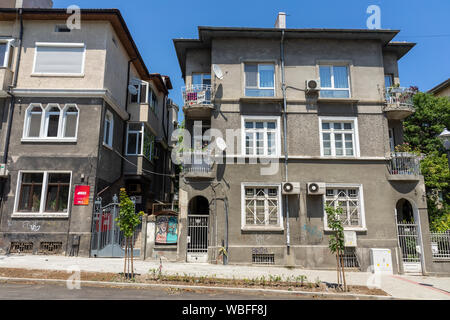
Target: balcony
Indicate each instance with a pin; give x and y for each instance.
(404, 166)
(399, 103)
(198, 165)
(197, 101)
(5, 81)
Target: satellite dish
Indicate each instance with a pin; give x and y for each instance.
(132, 89)
(221, 144)
(217, 71)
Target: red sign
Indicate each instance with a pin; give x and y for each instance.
(81, 197)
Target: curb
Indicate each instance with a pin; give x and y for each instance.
(155, 285)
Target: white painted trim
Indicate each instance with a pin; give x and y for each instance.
(361, 206)
(355, 136)
(64, 110)
(277, 185)
(277, 136)
(337, 63)
(296, 157)
(41, 213)
(59, 45)
(111, 129)
(258, 62)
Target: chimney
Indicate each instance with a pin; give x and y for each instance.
(37, 4)
(281, 21)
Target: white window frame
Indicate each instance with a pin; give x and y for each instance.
(277, 136)
(139, 83)
(245, 227)
(258, 78)
(110, 137)
(391, 140)
(363, 226)
(59, 45)
(356, 150)
(332, 88)
(42, 213)
(5, 62)
(44, 124)
(141, 133)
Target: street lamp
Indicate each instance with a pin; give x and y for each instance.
(445, 138)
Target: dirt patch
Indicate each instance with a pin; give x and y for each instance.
(272, 283)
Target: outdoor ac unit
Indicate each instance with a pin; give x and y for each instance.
(291, 188)
(3, 171)
(312, 85)
(316, 188)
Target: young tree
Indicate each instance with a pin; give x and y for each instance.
(336, 242)
(128, 221)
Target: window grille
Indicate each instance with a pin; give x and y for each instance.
(263, 258)
(349, 201)
(50, 247)
(350, 258)
(21, 247)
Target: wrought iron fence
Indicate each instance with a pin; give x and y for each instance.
(404, 163)
(440, 245)
(197, 94)
(198, 162)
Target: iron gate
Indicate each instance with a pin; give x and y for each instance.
(197, 246)
(107, 240)
(408, 239)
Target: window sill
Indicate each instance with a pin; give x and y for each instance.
(262, 229)
(338, 100)
(71, 75)
(38, 215)
(357, 229)
(108, 146)
(340, 157)
(260, 99)
(57, 140)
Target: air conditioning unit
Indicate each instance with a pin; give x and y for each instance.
(291, 188)
(316, 188)
(312, 85)
(3, 171)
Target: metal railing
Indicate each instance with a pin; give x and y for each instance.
(440, 245)
(400, 98)
(408, 238)
(199, 94)
(404, 163)
(198, 162)
(197, 234)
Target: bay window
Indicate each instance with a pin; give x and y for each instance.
(51, 124)
(43, 192)
(259, 80)
(339, 137)
(140, 142)
(334, 81)
(261, 136)
(261, 206)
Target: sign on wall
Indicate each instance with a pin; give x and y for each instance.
(81, 197)
(166, 229)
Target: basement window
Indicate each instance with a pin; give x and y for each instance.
(263, 258)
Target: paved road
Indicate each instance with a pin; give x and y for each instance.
(32, 291)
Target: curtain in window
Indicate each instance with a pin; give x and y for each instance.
(266, 73)
(35, 122)
(251, 75)
(340, 76)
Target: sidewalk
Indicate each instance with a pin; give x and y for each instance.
(405, 287)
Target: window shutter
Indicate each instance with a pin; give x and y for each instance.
(59, 60)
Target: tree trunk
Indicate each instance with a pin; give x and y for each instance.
(125, 261)
(343, 272)
(338, 269)
(132, 258)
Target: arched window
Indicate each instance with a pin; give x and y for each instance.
(52, 121)
(33, 121)
(70, 121)
(108, 129)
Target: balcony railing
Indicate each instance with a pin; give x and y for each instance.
(404, 163)
(197, 95)
(399, 98)
(198, 162)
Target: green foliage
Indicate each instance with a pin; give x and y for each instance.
(336, 242)
(421, 131)
(127, 220)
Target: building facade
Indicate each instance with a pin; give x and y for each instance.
(81, 117)
(320, 109)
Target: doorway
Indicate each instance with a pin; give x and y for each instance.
(197, 237)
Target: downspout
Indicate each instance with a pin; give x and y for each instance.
(12, 103)
(286, 153)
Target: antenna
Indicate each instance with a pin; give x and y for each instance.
(132, 89)
(217, 71)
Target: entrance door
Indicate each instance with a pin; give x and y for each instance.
(408, 237)
(197, 242)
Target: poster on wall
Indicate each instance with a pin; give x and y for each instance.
(166, 230)
(81, 197)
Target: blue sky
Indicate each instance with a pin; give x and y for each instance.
(153, 25)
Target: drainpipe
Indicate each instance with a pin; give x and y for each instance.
(225, 203)
(286, 154)
(12, 103)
